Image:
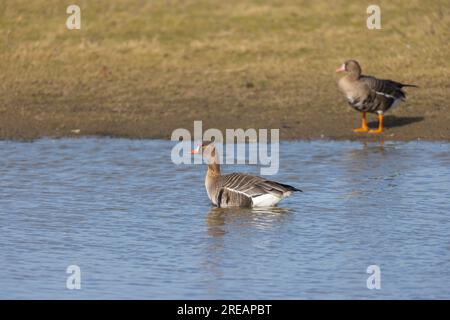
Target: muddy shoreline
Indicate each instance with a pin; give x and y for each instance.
(398, 127)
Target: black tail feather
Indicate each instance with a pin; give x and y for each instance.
(290, 188)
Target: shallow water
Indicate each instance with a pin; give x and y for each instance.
(140, 227)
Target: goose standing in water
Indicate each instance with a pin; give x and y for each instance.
(239, 189)
(369, 94)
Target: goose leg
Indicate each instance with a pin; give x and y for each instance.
(380, 124)
(364, 127)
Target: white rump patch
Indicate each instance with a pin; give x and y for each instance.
(266, 200)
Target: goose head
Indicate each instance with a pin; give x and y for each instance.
(208, 150)
(350, 66)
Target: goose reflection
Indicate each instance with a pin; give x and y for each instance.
(223, 220)
(240, 225)
(368, 148)
(369, 170)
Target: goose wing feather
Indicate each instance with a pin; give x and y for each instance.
(388, 88)
(253, 186)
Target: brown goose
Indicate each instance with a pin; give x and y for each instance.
(239, 189)
(369, 94)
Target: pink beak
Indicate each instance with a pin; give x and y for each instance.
(341, 68)
(196, 150)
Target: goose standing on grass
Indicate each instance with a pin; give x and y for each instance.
(239, 189)
(369, 94)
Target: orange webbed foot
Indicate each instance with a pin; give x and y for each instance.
(380, 125)
(362, 129)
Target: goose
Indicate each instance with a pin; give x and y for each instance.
(369, 94)
(239, 189)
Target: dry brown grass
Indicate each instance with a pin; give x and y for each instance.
(144, 68)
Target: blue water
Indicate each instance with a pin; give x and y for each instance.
(140, 227)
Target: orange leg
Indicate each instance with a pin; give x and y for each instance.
(364, 127)
(380, 124)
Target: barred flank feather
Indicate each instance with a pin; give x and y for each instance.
(239, 189)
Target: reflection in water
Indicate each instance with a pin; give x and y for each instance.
(370, 164)
(243, 225)
(358, 155)
(219, 219)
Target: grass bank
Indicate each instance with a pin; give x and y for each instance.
(143, 68)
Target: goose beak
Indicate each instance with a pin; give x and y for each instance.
(341, 68)
(196, 150)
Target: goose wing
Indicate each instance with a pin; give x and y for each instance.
(388, 88)
(244, 187)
